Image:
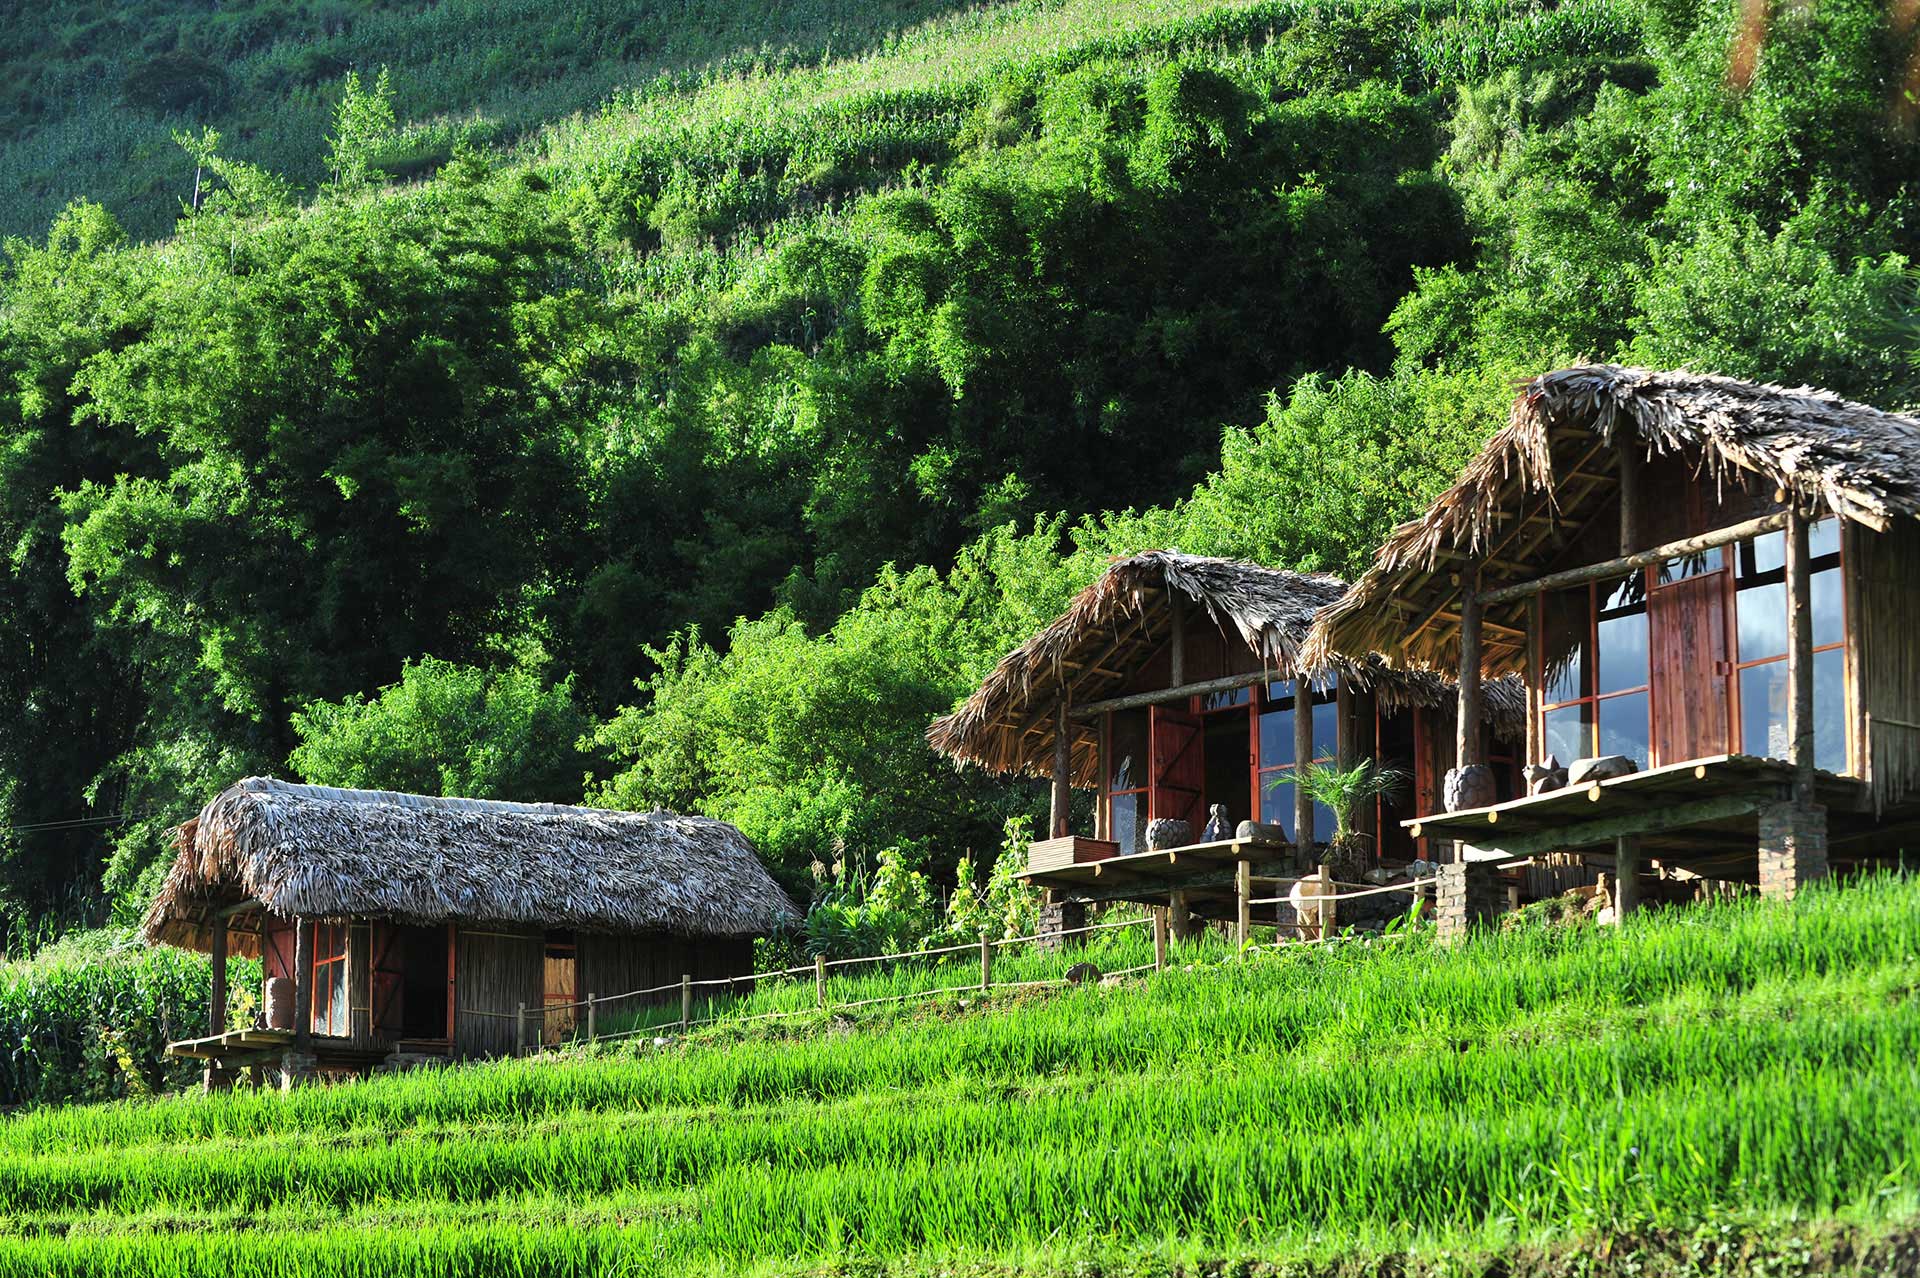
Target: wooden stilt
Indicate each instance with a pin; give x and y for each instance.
(1060, 815)
(1467, 725)
(1243, 894)
(1626, 876)
(217, 993)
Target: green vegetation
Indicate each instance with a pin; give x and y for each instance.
(1734, 1068)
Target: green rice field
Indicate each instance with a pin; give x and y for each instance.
(1736, 1067)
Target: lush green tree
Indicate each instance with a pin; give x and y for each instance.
(454, 730)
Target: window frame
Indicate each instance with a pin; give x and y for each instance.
(329, 965)
(1590, 696)
(1737, 709)
(1264, 702)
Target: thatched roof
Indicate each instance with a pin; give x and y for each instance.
(1122, 620)
(327, 853)
(1551, 469)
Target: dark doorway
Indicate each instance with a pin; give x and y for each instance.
(1228, 745)
(420, 957)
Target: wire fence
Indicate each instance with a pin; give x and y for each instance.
(581, 1020)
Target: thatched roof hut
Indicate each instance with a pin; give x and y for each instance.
(318, 852)
(1115, 624)
(1550, 469)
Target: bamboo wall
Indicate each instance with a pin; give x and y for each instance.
(494, 974)
(617, 964)
(1889, 659)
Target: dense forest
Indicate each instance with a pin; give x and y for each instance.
(372, 419)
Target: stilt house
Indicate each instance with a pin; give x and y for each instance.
(417, 925)
(1174, 683)
(1714, 579)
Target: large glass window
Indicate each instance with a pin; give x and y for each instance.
(1277, 708)
(1128, 776)
(1761, 642)
(1594, 678)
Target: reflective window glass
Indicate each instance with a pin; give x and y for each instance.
(1623, 637)
(1565, 638)
(1623, 727)
(1569, 733)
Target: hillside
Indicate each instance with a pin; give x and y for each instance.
(95, 90)
(1730, 1090)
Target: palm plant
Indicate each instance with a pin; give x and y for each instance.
(1343, 790)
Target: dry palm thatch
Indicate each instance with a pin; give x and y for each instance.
(1120, 622)
(1535, 479)
(302, 850)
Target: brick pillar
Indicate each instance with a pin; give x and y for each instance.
(1057, 916)
(1468, 896)
(1793, 848)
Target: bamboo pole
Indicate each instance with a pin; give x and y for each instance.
(1466, 750)
(1329, 907)
(593, 1024)
(986, 963)
(686, 1001)
(520, 1030)
(820, 979)
(1609, 569)
(1159, 938)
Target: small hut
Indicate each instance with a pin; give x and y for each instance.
(1173, 685)
(424, 926)
(1707, 585)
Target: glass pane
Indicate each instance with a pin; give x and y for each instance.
(1569, 731)
(1623, 637)
(1280, 692)
(1276, 738)
(1565, 639)
(1322, 824)
(1326, 730)
(1130, 822)
(1764, 554)
(1823, 538)
(1829, 613)
(1226, 700)
(1830, 710)
(1127, 750)
(1623, 727)
(1763, 710)
(1698, 564)
(1276, 801)
(1760, 615)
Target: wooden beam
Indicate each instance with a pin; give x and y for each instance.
(217, 992)
(1800, 740)
(1466, 748)
(1626, 876)
(1625, 564)
(1302, 760)
(1045, 712)
(1606, 829)
(1061, 814)
(1344, 753)
(302, 982)
(1176, 640)
(1166, 696)
(1630, 462)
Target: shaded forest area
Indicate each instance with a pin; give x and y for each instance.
(697, 451)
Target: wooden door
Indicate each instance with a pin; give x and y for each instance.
(1179, 767)
(1687, 620)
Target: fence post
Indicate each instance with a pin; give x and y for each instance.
(1243, 890)
(820, 979)
(986, 963)
(520, 1030)
(686, 1002)
(1159, 938)
(1329, 907)
(593, 1029)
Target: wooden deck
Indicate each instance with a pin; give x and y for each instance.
(1698, 814)
(231, 1043)
(1205, 871)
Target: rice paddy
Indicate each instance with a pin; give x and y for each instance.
(1693, 1067)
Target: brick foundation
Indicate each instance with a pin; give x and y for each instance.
(1061, 916)
(1793, 848)
(1468, 895)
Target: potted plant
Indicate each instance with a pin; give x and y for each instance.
(1342, 791)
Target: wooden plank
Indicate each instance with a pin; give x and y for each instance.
(1620, 566)
(1497, 843)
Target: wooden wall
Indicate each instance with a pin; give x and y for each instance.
(494, 973)
(618, 964)
(1888, 577)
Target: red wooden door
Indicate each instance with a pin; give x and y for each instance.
(1179, 767)
(1687, 620)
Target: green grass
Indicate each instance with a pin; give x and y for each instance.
(1740, 1062)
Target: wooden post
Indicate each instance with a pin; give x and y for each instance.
(1343, 702)
(686, 1002)
(593, 1024)
(1302, 760)
(820, 979)
(1243, 894)
(1536, 736)
(1799, 657)
(1629, 459)
(986, 963)
(1466, 750)
(1626, 876)
(520, 1030)
(1061, 815)
(1159, 938)
(217, 995)
(1176, 640)
(1329, 908)
(302, 983)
